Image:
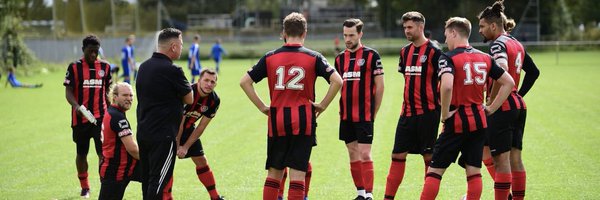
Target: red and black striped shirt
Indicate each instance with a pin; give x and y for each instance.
(291, 71)
(90, 85)
(471, 68)
(421, 90)
(509, 50)
(116, 163)
(358, 70)
(202, 106)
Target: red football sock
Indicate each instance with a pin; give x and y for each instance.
(489, 164)
(296, 191)
(307, 179)
(208, 180)
(518, 186)
(83, 180)
(368, 174)
(431, 186)
(167, 195)
(270, 189)
(282, 184)
(394, 178)
(356, 171)
(502, 185)
(474, 187)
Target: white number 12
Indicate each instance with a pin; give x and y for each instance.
(292, 84)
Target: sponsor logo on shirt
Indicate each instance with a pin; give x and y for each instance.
(351, 76)
(92, 83)
(413, 70)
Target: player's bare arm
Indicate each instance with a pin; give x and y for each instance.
(247, 85)
(178, 137)
(131, 146)
(71, 99)
(334, 87)
(446, 85)
(506, 84)
(378, 93)
(189, 98)
(182, 150)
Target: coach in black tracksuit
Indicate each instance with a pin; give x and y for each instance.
(161, 89)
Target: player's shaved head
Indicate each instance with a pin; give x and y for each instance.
(294, 24)
(414, 16)
(459, 24)
(354, 22)
(166, 35)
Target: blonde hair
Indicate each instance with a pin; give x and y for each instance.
(460, 25)
(114, 90)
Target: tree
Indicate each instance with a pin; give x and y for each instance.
(14, 50)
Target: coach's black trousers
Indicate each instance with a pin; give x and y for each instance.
(157, 159)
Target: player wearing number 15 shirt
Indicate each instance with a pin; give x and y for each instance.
(291, 72)
(463, 73)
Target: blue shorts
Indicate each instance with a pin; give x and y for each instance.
(125, 68)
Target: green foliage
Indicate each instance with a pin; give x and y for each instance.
(14, 51)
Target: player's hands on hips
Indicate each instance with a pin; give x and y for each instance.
(488, 110)
(446, 116)
(181, 151)
(265, 110)
(318, 108)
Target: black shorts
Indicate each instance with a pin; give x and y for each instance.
(449, 144)
(505, 131)
(417, 134)
(82, 134)
(356, 131)
(289, 151)
(112, 190)
(196, 148)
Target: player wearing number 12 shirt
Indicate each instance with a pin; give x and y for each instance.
(463, 73)
(291, 72)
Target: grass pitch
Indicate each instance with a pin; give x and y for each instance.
(37, 154)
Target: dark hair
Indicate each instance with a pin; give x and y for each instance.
(460, 25)
(495, 14)
(427, 34)
(294, 24)
(207, 71)
(91, 40)
(196, 37)
(167, 34)
(413, 16)
(354, 22)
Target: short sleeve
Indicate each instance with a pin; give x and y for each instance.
(181, 84)
(322, 67)
(498, 52)
(107, 77)
(437, 53)
(445, 65)
(401, 64)
(495, 71)
(120, 126)
(70, 76)
(212, 110)
(259, 71)
(376, 63)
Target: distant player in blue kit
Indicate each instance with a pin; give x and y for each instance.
(194, 58)
(127, 59)
(216, 53)
(17, 84)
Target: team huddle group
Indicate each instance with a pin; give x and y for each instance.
(475, 95)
